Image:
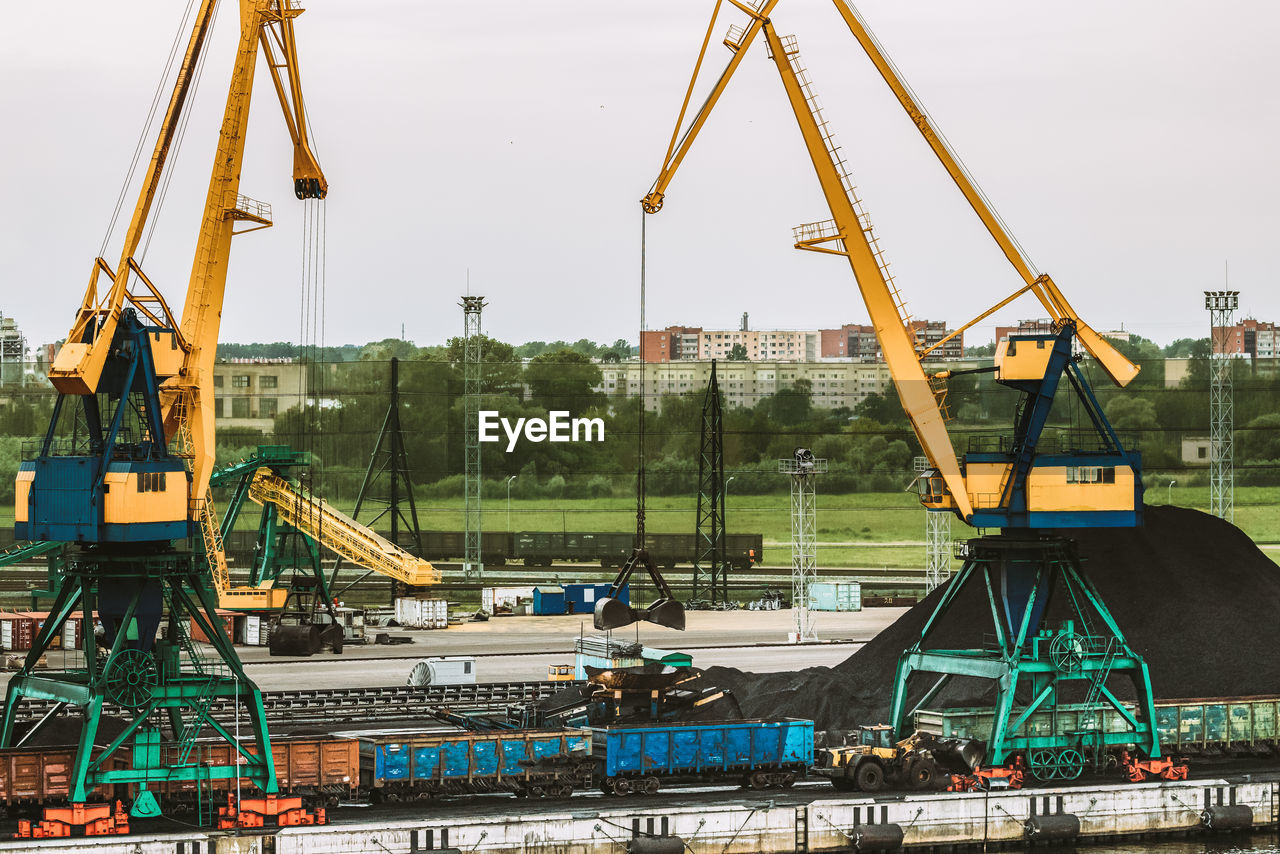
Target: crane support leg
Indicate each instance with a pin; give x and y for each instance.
(1032, 659)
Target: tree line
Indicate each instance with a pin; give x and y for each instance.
(869, 443)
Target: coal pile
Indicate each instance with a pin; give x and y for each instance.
(1192, 593)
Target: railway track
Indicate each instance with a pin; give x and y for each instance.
(358, 705)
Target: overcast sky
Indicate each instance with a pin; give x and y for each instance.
(1129, 144)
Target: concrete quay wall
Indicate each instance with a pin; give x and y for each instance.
(746, 826)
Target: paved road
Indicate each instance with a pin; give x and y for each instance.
(555, 635)
(357, 673)
(520, 648)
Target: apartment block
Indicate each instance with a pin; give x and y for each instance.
(13, 352)
(850, 341)
(1250, 338)
(251, 392)
(834, 384)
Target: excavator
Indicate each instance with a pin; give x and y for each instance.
(123, 473)
(1021, 484)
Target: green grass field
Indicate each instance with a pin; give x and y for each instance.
(858, 530)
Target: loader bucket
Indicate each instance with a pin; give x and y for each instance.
(666, 612)
(959, 755)
(614, 614)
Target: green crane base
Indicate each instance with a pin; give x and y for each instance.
(1030, 662)
(143, 679)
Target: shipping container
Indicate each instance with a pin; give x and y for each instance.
(227, 620)
(253, 630)
(37, 619)
(529, 761)
(497, 600)
(835, 596)
(703, 750)
(548, 601)
(581, 598)
(422, 613)
(73, 631)
(17, 631)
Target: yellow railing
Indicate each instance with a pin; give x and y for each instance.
(338, 532)
(212, 535)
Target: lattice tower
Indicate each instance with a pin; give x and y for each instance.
(803, 471)
(472, 566)
(1221, 306)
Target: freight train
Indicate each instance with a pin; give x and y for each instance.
(396, 766)
(541, 548)
(620, 759)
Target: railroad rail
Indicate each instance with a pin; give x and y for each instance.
(359, 705)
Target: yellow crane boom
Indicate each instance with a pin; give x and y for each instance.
(849, 233)
(338, 532)
(184, 357)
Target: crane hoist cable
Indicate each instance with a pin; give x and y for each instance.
(183, 121)
(171, 62)
(610, 611)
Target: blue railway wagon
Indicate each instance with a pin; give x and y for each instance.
(537, 763)
(759, 753)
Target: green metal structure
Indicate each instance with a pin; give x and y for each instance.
(142, 679)
(280, 547)
(51, 551)
(1036, 667)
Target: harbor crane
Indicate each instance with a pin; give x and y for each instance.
(122, 475)
(1020, 483)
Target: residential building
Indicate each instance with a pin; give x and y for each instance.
(851, 341)
(251, 392)
(13, 352)
(1042, 326)
(1250, 338)
(929, 332)
(834, 384)
(1176, 369)
(692, 343)
(1195, 450)
(669, 345)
